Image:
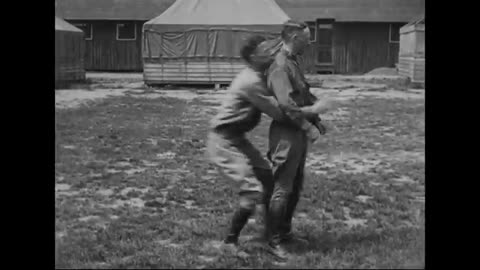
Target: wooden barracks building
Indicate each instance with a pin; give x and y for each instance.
(348, 36)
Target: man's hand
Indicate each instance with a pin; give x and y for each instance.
(321, 128)
(323, 105)
(319, 107)
(313, 134)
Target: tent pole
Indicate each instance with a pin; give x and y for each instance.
(230, 57)
(147, 45)
(148, 48)
(160, 56)
(208, 56)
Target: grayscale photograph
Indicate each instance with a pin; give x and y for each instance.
(240, 134)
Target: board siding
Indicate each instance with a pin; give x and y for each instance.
(179, 71)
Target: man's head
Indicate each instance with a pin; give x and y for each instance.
(296, 36)
(256, 52)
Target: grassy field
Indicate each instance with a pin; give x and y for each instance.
(134, 189)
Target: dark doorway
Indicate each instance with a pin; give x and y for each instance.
(323, 43)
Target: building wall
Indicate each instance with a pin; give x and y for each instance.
(105, 53)
(412, 53)
(357, 48)
(360, 47)
(69, 51)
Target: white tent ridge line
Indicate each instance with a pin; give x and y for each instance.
(222, 12)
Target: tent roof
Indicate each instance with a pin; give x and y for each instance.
(354, 10)
(62, 25)
(222, 12)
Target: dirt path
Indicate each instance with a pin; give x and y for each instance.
(340, 87)
(75, 98)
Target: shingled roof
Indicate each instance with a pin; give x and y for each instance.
(354, 10)
(141, 10)
(304, 10)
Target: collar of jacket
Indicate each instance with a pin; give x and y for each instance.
(288, 53)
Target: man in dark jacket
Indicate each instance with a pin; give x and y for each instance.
(288, 143)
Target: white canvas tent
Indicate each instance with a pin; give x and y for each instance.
(199, 41)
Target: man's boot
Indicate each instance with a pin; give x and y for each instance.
(286, 227)
(240, 218)
(276, 216)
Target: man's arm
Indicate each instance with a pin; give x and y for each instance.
(279, 82)
(312, 98)
(266, 104)
(312, 111)
(270, 106)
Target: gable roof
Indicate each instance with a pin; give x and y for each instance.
(61, 25)
(417, 20)
(354, 10)
(141, 10)
(304, 10)
(222, 12)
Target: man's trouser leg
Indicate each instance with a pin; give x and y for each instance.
(240, 161)
(248, 202)
(286, 151)
(294, 197)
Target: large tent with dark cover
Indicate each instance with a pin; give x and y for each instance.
(199, 41)
(69, 53)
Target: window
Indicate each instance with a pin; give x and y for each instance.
(324, 26)
(324, 34)
(87, 29)
(394, 34)
(126, 31)
(313, 32)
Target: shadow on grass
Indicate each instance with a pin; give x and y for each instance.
(328, 241)
(325, 242)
